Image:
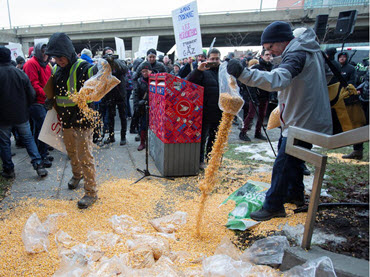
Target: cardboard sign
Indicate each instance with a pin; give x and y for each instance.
(187, 30)
(52, 132)
(15, 49)
(120, 46)
(147, 43)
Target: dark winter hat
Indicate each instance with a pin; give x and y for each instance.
(145, 65)
(177, 64)
(151, 51)
(343, 53)
(4, 55)
(20, 59)
(106, 49)
(277, 31)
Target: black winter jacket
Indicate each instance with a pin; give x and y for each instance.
(209, 80)
(16, 95)
(61, 45)
(141, 91)
(260, 94)
(118, 93)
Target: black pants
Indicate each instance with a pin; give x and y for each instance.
(209, 131)
(365, 107)
(122, 115)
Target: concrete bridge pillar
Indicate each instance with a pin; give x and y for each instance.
(135, 46)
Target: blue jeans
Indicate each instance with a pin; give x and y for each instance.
(37, 115)
(25, 134)
(286, 180)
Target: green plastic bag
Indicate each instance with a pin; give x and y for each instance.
(248, 198)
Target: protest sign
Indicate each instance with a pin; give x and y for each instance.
(187, 30)
(15, 49)
(146, 43)
(120, 46)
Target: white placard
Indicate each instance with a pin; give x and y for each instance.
(146, 43)
(52, 132)
(120, 46)
(42, 40)
(187, 30)
(15, 49)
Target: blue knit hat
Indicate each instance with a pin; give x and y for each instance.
(277, 31)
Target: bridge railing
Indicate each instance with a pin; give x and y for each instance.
(319, 161)
(311, 4)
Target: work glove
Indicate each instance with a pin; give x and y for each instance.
(235, 68)
(49, 103)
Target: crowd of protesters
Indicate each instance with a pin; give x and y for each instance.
(289, 72)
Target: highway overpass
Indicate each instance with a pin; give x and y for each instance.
(241, 28)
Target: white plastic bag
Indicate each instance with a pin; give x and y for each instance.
(226, 247)
(320, 267)
(52, 131)
(169, 223)
(266, 251)
(101, 239)
(230, 100)
(159, 246)
(35, 236)
(224, 266)
(126, 225)
(51, 222)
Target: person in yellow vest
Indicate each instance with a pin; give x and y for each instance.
(68, 75)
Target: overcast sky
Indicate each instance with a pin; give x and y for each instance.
(36, 12)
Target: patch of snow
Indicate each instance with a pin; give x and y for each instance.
(296, 233)
(259, 148)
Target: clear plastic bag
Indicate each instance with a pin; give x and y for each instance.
(224, 266)
(230, 100)
(62, 239)
(95, 88)
(126, 225)
(141, 257)
(159, 246)
(81, 255)
(35, 236)
(226, 247)
(110, 267)
(267, 251)
(169, 223)
(70, 271)
(51, 222)
(101, 239)
(322, 267)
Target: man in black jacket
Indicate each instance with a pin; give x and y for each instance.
(260, 97)
(16, 96)
(116, 98)
(157, 66)
(208, 78)
(348, 71)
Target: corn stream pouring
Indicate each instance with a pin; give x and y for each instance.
(230, 103)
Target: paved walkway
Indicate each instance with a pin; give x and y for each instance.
(112, 161)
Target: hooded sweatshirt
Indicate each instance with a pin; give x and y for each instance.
(38, 72)
(348, 71)
(60, 45)
(301, 81)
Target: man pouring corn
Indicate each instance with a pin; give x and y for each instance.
(68, 77)
(300, 80)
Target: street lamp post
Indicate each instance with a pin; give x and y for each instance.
(10, 21)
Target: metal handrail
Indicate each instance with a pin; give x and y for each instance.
(200, 14)
(319, 161)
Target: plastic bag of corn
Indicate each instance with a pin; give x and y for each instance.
(322, 266)
(169, 223)
(125, 224)
(101, 239)
(230, 100)
(159, 246)
(274, 119)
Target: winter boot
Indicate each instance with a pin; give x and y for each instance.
(86, 201)
(8, 173)
(356, 154)
(73, 183)
(142, 141)
(243, 136)
(260, 136)
(110, 139)
(40, 169)
(137, 137)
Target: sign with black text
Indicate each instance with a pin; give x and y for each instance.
(187, 30)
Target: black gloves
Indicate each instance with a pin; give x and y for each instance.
(49, 103)
(235, 68)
